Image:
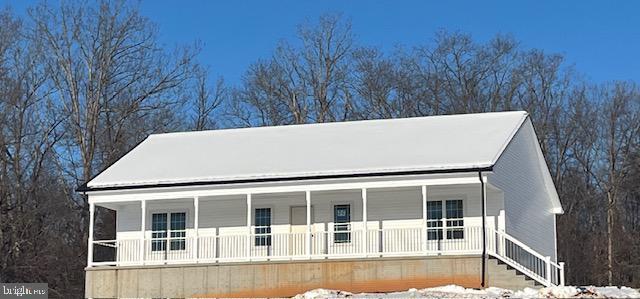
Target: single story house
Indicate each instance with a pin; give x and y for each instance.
(363, 206)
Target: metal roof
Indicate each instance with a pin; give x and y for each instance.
(433, 143)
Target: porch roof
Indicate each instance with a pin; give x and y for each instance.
(434, 143)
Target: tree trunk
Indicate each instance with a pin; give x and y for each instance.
(610, 238)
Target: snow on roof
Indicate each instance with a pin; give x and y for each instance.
(432, 143)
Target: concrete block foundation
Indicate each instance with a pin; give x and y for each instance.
(284, 279)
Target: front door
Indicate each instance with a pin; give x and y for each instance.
(297, 238)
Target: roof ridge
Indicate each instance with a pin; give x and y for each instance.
(333, 123)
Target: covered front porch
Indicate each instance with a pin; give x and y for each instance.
(367, 219)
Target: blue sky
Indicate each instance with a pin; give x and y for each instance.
(601, 38)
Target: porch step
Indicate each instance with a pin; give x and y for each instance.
(500, 262)
(503, 276)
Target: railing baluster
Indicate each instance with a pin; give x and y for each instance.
(381, 241)
(548, 269)
(561, 270)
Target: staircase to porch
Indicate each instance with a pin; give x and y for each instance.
(504, 276)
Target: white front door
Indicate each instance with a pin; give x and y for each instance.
(297, 239)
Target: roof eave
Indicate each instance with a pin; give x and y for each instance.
(85, 188)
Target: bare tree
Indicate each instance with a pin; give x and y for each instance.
(609, 141)
(79, 85)
(110, 76)
(375, 83)
(32, 219)
(310, 83)
(206, 100)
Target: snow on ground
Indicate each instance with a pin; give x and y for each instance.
(453, 291)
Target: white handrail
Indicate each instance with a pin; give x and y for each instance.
(540, 268)
(106, 243)
(524, 246)
(331, 243)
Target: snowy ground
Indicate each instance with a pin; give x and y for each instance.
(453, 291)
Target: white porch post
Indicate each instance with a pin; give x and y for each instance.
(364, 221)
(249, 226)
(308, 235)
(92, 209)
(444, 232)
(424, 218)
(143, 222)
(196, 204)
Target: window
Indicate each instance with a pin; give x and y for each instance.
(454, 214)
(434, 220)
(342, 220)
(262, 222)
(158, 232)
(176, 230)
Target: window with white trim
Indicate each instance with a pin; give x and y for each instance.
(158, 232)
(455, 219)
(454, 216)
(178, 231)
(171, 225)
(262, 221)
(434, 220)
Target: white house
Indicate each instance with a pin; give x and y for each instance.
(372, 205)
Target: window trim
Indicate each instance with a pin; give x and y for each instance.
(442, 234)
(161, 242)
(172, 239)
(451, 229)
(167, 239)
(268, 237)
(437, 229)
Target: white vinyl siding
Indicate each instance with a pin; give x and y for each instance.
(528, 206)
(387, 208)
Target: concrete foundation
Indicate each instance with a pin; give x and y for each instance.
(283, 279)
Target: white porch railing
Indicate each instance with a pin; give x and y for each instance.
(526, 260)
(411, 241)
